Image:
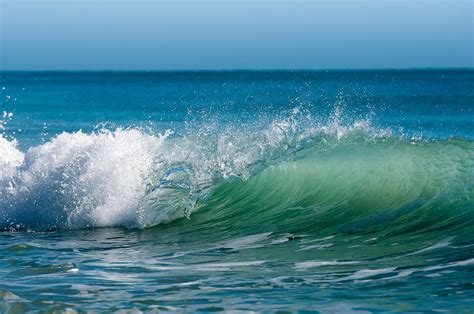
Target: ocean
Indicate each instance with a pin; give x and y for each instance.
(247, 191)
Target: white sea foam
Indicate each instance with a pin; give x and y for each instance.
(77, 180)
(10, 158)
(367, 273)
(312, 264)
(441, 244)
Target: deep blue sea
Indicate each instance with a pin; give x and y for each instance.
(247, 191)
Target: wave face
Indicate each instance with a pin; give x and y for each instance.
(358, 185)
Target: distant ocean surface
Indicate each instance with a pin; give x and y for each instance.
(328, 191)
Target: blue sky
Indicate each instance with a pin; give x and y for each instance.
(258, 34)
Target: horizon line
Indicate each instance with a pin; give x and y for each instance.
(235, 70)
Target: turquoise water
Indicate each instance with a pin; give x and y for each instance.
(329, 191)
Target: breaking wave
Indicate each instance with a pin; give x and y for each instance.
(334, 174)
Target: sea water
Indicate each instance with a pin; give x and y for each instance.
(329, 191)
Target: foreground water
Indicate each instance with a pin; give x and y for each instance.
(253, 191)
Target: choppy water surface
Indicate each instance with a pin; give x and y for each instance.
(254, 191)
